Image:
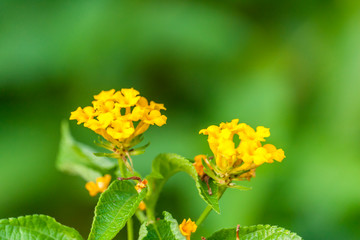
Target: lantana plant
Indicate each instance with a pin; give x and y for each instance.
(120, 118)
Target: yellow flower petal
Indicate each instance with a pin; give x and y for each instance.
(100, 186)
(141, 185)
(198, 164)
(142, 206)
(187, 227)
(103, 182)
(92, 188)
(155, 117)
(82, 115)
(105, 95)
(127, 97)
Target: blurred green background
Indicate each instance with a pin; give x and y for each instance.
(293, 66)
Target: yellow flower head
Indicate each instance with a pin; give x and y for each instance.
(187, 227)
(141, 185)
(101, 185)
(120, 116)
(248, 154)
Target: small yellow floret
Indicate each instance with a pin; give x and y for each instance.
(141, 185)
(105, 95)
(82, 115)
(155, 117)
(127, 97)
(187, 227)
(101, 185)
(120, 129)
(198, 164)
(142, 206)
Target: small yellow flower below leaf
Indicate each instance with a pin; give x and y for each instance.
(142, 206)
(100, 186)
(187, 227)
(141, 185)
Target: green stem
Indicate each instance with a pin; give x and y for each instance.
(141, 216)
(150, 212)
(129, 224)
(204, 215)
(122, 167)
(208, 209)
(130, 230)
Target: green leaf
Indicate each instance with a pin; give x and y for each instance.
(36, 227)
(207, 170)
(116, 205)
(211, 200)
(239, 187)
(78, 159)
(110, 155)
(166, 229)
(103, 144)
(255, 232)
(166, 165)
(138, 139)
(140, 150)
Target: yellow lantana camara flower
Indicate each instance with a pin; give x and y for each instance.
(120, 116)
(238, 161)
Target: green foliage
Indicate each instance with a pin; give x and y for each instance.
(211, 200)
(165, 229)
(78, 159)
(36, 227)
(208, 170)
(239, 187)
(139, 150)
(115, 206)
(166, 165)
(255, 232)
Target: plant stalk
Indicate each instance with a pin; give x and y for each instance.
(129, 224)
(208, 209)
(203, 215)
(130, 230)
(141, 216)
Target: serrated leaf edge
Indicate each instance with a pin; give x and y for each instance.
(8, 221)
(260, 227)
(142, 195)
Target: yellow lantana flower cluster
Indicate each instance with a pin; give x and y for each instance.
(249, 154)
(120, 116)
